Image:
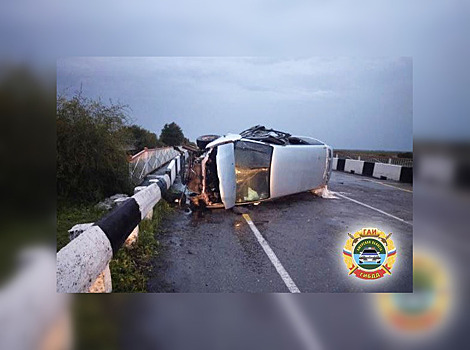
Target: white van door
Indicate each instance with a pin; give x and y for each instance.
(226, 173)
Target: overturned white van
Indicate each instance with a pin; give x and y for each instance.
(256, 165)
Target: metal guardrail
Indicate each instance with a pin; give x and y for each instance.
(148, 160)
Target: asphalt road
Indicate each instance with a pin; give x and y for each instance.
(219, 252)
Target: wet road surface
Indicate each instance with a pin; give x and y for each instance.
(219, 252)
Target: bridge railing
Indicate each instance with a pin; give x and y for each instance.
(84, 262)
(405, 162)
(148, 160)
(380, 170)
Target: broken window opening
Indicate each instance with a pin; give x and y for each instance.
(252, 170)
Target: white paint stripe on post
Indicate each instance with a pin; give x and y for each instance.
(178, 164)
(147, 199)
(81, 261)
(173, 172)
(371, 207)
(167, 180)
(172, 168)
(290, 284)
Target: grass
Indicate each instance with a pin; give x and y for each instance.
(131, 266)
(97, 318)
(69, 215)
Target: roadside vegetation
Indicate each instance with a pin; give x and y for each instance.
(69, 214)
(132, 265)
(91, 143)
(94, 140)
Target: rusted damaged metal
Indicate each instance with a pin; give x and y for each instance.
(256, 165)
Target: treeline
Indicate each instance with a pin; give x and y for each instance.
(94, 140)
(139, 138)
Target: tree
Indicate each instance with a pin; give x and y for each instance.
(141, 138)
(187, 142)
(172, 135)
(91, 142)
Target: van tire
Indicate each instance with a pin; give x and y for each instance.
(204, 140)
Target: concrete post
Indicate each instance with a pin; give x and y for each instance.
(132, 238)
(149, 215)
(389, 160)
(103, 283)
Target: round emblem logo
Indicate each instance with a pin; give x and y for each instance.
(369, 254)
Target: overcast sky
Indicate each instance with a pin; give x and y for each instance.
(348, 103)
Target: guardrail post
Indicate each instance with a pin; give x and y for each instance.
(132, 238)
(149, 215)
(103, 283)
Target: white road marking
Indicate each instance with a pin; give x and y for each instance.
(272, 256)
(377, 210)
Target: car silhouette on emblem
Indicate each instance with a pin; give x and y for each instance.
(369, 256)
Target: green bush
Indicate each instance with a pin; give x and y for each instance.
(91, 143)
(69, 215)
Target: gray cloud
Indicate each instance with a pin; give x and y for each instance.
(347, 102)
(433, 33)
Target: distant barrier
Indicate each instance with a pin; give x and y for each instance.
(146, 161)
(381, 171)
(405, 162)
(85, 258)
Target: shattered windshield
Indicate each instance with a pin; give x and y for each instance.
(252, 165)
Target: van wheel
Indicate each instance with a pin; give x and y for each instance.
(204, 140)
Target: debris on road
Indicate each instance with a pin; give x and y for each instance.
(324, 192)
